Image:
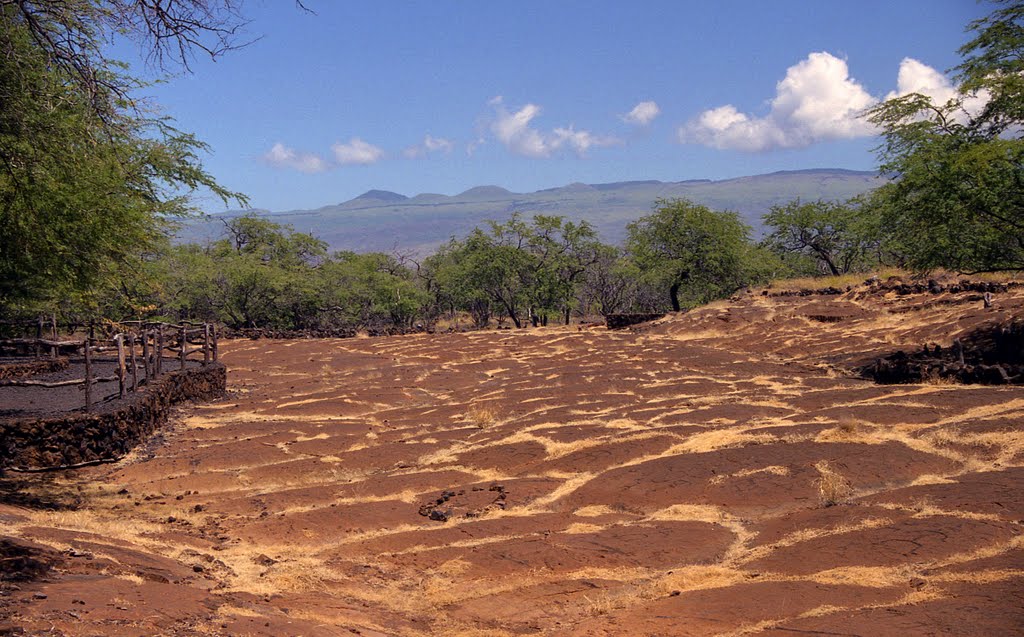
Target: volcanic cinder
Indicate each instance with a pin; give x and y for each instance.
(720, 472)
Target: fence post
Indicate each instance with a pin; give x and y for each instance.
(119, 341)
(159, 353)
(184, 344)
(213, 328)
(88, 374)
(53, 334)
(135, 373)
(206, 344)
(39, 337)
(145, 355)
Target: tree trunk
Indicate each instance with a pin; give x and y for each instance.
(674, 293)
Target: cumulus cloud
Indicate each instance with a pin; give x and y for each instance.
(917, 77)
(356, 151)
(281, 156)
(513, 129)
(816, 101)
(429, 145)
(642, 114)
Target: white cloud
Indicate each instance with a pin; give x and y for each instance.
(579, 140)
(514, 131)
(356, 151)
(816, 101)
(917, 77)
(281, 156)
(642, 114)
(429, 145)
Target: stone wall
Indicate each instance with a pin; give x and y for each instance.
(622, 321)
(992, 355)
(30, 368)
(79, 437)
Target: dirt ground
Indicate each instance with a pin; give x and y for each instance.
(715, 473)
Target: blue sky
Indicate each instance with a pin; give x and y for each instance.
(443, 96)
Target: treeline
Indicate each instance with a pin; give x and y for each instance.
(518, 272)
(89, 181)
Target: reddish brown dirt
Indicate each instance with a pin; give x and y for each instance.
(671, 480)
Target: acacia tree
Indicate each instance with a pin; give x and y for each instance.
(562, 252)
(89, 179)
(958, 197)
(696, 254)
(832, 233)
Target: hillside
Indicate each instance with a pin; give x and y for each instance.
(721, 472)
(381, 220)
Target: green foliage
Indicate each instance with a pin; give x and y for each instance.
(523, 270)
(370, 290)
(694, 253)
(87, 183)
(958, 200)
(836, 236)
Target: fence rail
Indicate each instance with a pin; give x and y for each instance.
(142, 348)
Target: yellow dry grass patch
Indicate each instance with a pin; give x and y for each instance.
(840, 281)
(692, 578)
(319, 436)
(595, 510)
(294, 574)
(986, 576)
(107, 528)
(719, 439)
(833, 488)
(775, 470)
(691, 513)
(482, 415)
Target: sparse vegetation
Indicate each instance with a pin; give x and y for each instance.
(833, 488)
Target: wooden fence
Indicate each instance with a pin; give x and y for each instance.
(141, 350)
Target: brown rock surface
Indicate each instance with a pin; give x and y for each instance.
(722, 472)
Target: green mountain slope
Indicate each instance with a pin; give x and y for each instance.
(385, 221)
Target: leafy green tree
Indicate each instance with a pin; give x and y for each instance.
(957, 200)
(88, 181)
(562, 251)
(449, 281)
(372, 290)
(694, 253)
(830, 233)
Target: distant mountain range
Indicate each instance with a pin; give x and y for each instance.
(380, 220)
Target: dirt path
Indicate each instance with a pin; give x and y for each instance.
(712, 475)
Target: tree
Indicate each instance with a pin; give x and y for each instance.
(696, 253)
(957, 200)
(613, 283)
(829, 232)
(562, 252)
(89, 179)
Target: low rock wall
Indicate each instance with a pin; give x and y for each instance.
(993, 355)
(107, 434)
(622, 321)
(29, 368)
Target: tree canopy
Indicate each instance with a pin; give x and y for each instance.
(89, 177)
(696, 254)
(957, 200)
(835, 235)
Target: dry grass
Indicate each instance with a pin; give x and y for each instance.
(482, 415)
(841, 281)
(833, 488)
